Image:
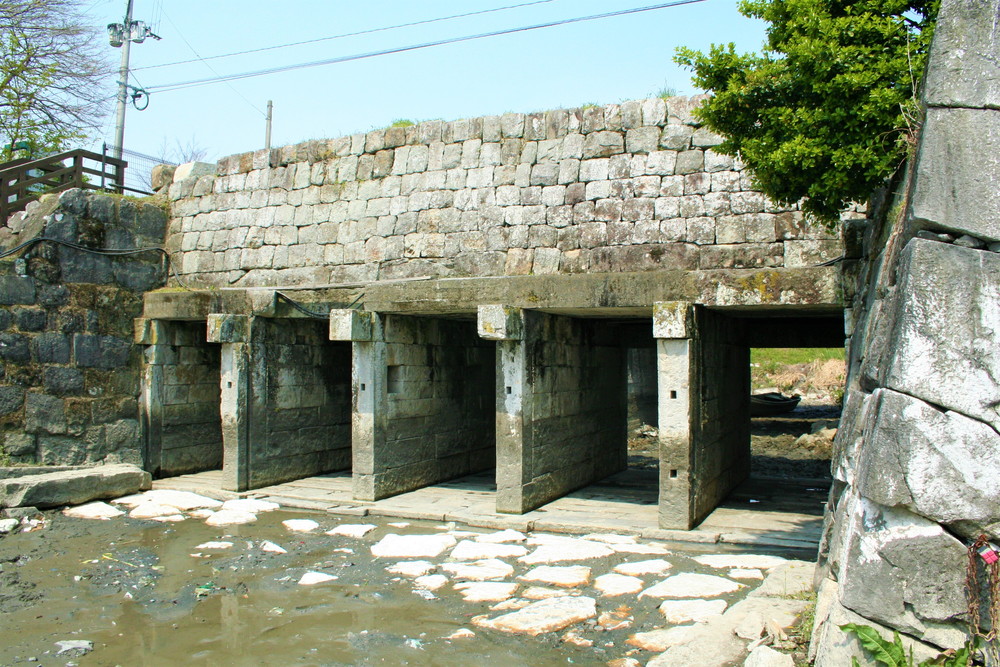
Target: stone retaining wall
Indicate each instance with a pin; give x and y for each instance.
(917, 454)
(69, 374)
(626, 187)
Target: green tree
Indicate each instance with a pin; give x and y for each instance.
(52, 67)
(826, 112)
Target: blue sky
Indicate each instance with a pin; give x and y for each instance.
(596, 62)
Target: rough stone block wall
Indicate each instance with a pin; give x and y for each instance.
(624, 187)
(722, 455)
(304, 425)
(917, 453)
(69, 373)
(189, 429)
(438, 404)
(573, 402)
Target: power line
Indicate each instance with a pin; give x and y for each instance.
(348, 34)
(331, 61)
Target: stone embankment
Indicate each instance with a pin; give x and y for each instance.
(624, 187)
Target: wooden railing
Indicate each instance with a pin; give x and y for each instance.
(24, 180)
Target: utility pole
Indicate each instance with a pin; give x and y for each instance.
(267, 131)
(121, 35)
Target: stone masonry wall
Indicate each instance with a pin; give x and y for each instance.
(69, 374)
(627, 187)
(917, 454)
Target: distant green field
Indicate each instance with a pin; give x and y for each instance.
(784, 356)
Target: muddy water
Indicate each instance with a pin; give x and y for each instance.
(134, 589)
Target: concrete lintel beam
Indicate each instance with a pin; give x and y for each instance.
(226, 328)
(673, 320)
(497, 322)
(347, 324)
(148, 331)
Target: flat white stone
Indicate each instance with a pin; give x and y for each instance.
(743, 573)
(250, 505)
(760, 561)
(481, 570)
(412, 546)
(411, 568)
(568, 575)
(215, 545)
(313, 578)
(510, 605)
(461, 633)
(230, 518)
(96, 510)
(691, 611)
(150, 510)
(567, 549)
(662, 638)
(8, 525)
(300, 525)
(272, 548)
(689, 585)
(574, 638)
(356, 530)
(612, 584)
(502, 537)
(399, 524)
(182, 500)
(618, 619)
(549, 615)
(486, 591)
(638, 568)
(131, 500)
(68, 645)
(469, 550)
(765, 656)
(431, 582)
(200, 514)
(170, 518)
(542, 593)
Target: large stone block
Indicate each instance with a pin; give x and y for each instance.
(16, 290)
(963, 70)
(943, 346)
(941, 465)
(72, 487)
(101, 351)
(958, 167)
(496, 322)
(906, 572)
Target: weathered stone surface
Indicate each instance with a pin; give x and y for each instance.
(903, 571)
(181, 500)
(482, 570)
(151, 510)
(612, 584)
(654, 566)
(357, 530)
(230, 518)
(412, 546)
(570, 576)
(549, 615)
(957, 168)
(948, 309)
(489, 591)
(941, 465)
(689, 585)
(469, 550)
(502, 537)
(73, 487)
(95, 510)
(272, 548)
(691, 611)
(431, 582)
(787, 580)
(413, 568)
(963, 70)
(193, 170)
(313, 578)
(253, 505)
(740, 560)
(765, 656)
(662, 638)
(566, 549)
(215, 545)
(300, 525)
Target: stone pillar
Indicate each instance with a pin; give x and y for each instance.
(422, 401)
(151, 334)
(677, 392)
(236, 384)
(560, 407)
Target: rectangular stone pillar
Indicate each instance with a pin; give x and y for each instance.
(179, 398)
(422, 406)
(560, 404)
(704, 386)
(236, 387)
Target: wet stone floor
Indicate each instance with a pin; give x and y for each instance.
(178, 580)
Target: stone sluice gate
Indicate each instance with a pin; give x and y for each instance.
(417, 304)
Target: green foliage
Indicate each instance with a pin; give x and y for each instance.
(892, 654)
(826, 111)
(402, 122)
